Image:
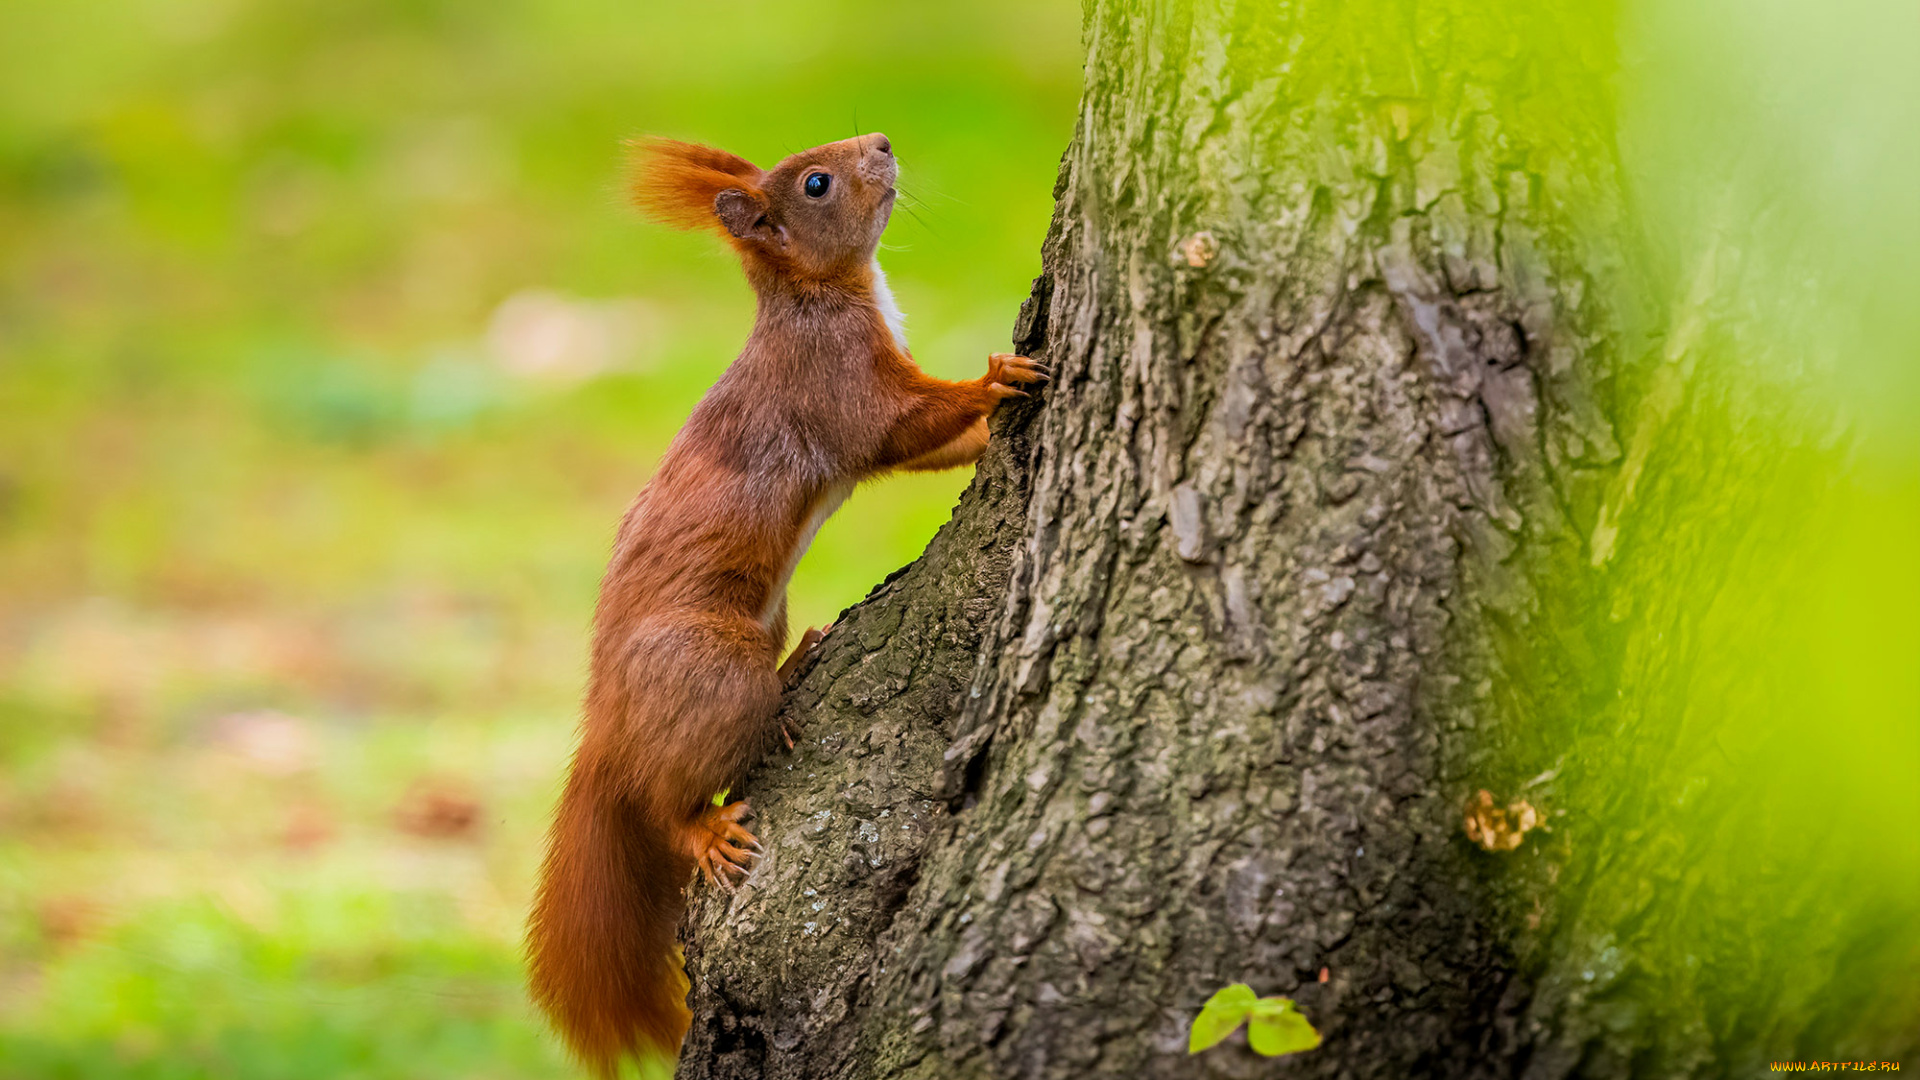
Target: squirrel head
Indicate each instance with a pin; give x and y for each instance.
(816, 216)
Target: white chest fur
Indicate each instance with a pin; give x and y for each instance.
(889, 308)
(823, 509)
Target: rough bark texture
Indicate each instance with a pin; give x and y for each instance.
(1194, 686)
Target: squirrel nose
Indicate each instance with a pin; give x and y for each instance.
(881, 144)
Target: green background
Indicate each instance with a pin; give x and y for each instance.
(330, 355)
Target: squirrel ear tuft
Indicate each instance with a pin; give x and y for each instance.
(677, 183)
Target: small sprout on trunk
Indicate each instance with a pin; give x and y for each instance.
(1274, 1026)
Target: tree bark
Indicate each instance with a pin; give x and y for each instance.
(1283, 566)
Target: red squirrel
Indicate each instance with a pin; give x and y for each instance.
(685, 678)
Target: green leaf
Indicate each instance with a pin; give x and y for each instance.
(1278, 1028)
(1221, 1016)
(721, 799)
(1238, 996)
(1272, 1006)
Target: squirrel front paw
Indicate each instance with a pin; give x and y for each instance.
(1007, 372)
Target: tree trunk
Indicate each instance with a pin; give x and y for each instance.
(1292, 557)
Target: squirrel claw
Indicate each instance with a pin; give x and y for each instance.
(1005, 369)
(720, 872)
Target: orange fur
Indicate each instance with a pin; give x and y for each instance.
(684, 678)
(674, 182)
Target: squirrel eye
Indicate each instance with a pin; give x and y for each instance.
(817, 185)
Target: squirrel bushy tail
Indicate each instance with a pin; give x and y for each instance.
(600, 942)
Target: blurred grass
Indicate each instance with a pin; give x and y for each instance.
(328, 360)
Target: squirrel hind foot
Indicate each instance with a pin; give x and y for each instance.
(720, 846)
